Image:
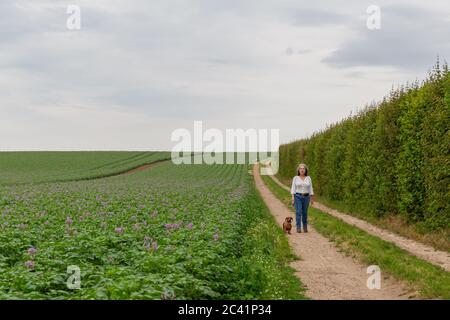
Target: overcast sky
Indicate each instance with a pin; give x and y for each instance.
(139, 69)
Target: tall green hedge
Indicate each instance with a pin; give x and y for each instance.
(390, 158)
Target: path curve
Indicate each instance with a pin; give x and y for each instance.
(420, 250)
(327, 273)
(143, 167)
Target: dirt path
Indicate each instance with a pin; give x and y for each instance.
(420, 250)
(144, 167)
(327, 273)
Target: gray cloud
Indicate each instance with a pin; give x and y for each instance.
(138, 69)
(410, 38)
(309, 17)
(292, 51)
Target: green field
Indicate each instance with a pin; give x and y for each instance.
(171, 231)
(27, 167)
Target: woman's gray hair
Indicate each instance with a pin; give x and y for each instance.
(306, 169)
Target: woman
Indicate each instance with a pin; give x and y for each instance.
(302, 192)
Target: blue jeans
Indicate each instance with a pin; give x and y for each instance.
(301, 210)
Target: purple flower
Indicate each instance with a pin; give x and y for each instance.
(154, 213)
(190, 225)
(31, 251)
(69, 221)
(155, 245)
(216, 236)
(29, 264)
(172, 225)
(147, 241)
(119, 230)
(46, 222)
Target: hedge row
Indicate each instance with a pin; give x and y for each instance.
(390, 158)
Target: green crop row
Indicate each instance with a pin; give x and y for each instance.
(38, 167)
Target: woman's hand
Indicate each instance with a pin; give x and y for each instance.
(292, 201)
(312, 200)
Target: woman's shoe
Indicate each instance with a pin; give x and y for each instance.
(305, 230)
(299, 230)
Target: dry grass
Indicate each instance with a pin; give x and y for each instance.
(397, 224)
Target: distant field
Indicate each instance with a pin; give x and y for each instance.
(31, 167)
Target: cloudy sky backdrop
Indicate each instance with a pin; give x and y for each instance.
(139, 69)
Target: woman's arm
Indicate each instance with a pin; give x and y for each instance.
(293, 186)
(311, 191)
(293, 191)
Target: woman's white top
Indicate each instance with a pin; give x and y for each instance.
(302, 186)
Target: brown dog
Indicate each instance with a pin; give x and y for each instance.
(287, 225)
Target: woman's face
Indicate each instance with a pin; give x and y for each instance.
(302, 170)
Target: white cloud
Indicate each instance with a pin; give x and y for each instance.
(139, 69)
